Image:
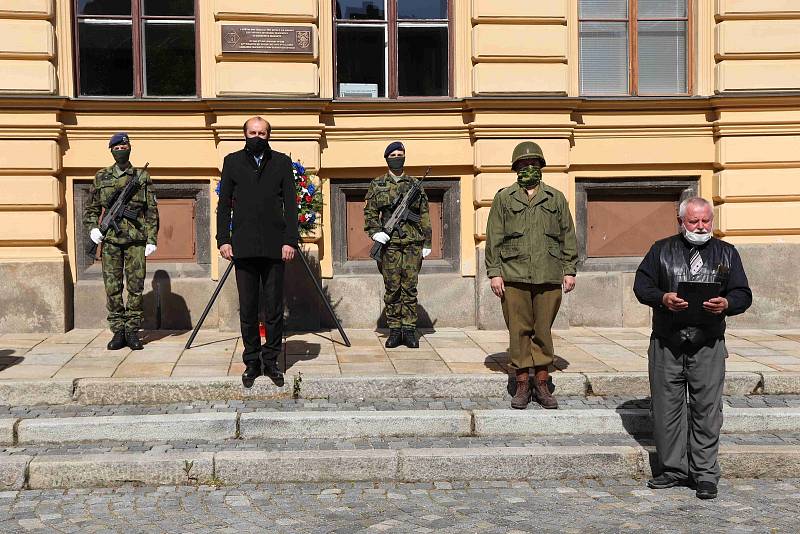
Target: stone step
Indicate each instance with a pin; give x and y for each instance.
(103, 391)
(217, 426)
(228, 467)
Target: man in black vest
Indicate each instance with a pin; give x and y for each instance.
(689, 355)
(257, 186)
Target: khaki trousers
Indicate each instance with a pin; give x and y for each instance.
(529, 311)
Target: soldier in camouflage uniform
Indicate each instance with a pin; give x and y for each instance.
(402, 256)
(123, 251)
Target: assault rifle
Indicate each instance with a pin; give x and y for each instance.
(118, 210)
(401, 213)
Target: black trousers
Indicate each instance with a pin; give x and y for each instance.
(260, 277)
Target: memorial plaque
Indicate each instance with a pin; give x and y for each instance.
(267, 39)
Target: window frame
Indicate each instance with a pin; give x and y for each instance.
(137, 19)
(633, 49)
(451, 227)
(392, 25)
(682, 186)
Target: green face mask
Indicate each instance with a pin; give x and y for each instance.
(121, 156)
(529, 176)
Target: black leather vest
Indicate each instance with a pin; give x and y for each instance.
(674, 268)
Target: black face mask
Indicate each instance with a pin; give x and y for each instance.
(255, 145)
(396, 164)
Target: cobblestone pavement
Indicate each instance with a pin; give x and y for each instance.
(81, 353)
(594, 506)
(384, 404)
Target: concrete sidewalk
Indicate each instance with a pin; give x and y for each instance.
(82, 354)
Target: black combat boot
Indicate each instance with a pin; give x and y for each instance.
(118, 341)
(271, 370)
(395, 338)
(251, 372)
(410, 338)
(133, 341)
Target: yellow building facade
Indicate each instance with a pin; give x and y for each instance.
(634, 109)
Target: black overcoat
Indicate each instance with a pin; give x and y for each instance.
(264, 204)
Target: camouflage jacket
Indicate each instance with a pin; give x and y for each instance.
(382, 194)
(530, 240)
(101, 195)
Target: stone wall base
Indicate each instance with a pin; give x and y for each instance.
(35, 296)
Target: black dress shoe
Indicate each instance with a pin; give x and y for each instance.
(410, 338)
(706, 490)
(271, 370)
(665, 481)
(395, 338)
(133, 341)
(117, 342)
(251, 372)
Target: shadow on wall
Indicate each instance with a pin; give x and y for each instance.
(305, 310)
(163, 309)
(424, 320)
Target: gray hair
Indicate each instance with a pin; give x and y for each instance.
(694, 201)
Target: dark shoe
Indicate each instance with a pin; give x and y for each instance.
(271, 370)
(395, 338)
(664, 481)
(410, 338)
(522, 396)
(117, 342)
(706, 490)
(133, 341)
(541, 391)
(251, 372)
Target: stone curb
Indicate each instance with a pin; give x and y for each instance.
(218, 426)
(403, 465)
(7, 430)
(167, 427)
(781, 383)
(116, 469)
(355, 424)
(32, 392)
(112, 391)
(635, 421)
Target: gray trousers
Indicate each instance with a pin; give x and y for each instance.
(687, 446)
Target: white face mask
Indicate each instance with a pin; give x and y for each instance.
(695, 238)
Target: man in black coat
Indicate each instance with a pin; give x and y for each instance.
(257, 187)
(687, 348)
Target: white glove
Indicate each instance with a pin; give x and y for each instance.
(96, 235)
(425, 252)
(149, 249)
(381, 237)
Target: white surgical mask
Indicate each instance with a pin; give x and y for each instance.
(695, 238)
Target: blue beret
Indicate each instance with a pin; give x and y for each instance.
(397, 145)
(120, 138)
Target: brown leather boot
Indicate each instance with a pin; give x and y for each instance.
(523, 394)
(541, 393)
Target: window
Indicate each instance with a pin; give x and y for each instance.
(136, 47)
(618, 220)
(351, 245)
(392, 48)
(634, 47)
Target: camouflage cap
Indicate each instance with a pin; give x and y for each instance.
(527, 150)
(120, 138)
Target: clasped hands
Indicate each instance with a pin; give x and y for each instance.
(673, 302)
(383, 238)
(287, 252)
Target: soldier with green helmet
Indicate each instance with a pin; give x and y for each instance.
(530, 259)
(123, 252)
(403, 251)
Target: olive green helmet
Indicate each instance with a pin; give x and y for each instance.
(527, 150)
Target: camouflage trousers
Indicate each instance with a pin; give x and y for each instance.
(400, 267)
(127, 260)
